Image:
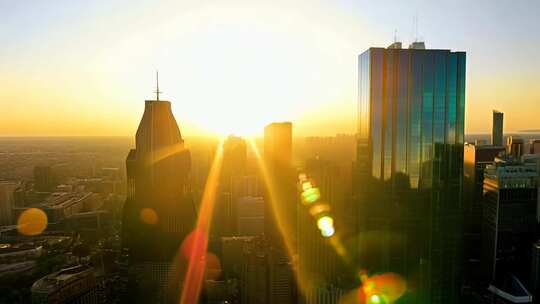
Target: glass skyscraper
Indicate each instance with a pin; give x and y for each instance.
(409, 165)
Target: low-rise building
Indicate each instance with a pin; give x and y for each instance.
(76, 284)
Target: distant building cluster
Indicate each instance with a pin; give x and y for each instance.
(57, 235)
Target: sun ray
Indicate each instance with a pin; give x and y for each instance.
(197, 253)
(270, 185)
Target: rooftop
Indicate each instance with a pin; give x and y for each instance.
(58, 200)
(61, 278)
(511, 289)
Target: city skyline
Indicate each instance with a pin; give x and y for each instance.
(87, 78)
(310, 152)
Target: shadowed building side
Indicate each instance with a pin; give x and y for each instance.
(159, 211)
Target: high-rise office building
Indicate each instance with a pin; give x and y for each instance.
(515, 146)
(234, 160)
(476, 159)
(254, 272)
(7, 202)
(232, 175)
(317, 259)
(281, 280)
(282, 199)
(250, 216)
(159, 211)
(497, 129)
(534, 146)
(409, 166)
(509, 221)
(280, 221)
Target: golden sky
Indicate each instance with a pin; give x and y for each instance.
(78, 68)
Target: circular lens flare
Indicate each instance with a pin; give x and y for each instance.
(213, 266)
(375, 299)
(310, 195)
(325, 222)
(306, 186)
(32, 221)
(384, 288)
(194, 241)
(328, 232)
(149, 216)
(326, 225)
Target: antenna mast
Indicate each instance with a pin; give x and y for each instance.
(157, 86)
(416, 27)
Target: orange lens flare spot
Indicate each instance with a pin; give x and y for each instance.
(319, 208)
(193, 244)
(149, 216)
(32, 221)
(213, 266)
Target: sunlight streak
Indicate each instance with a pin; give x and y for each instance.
(270, 185)
(197, 250)
(165, 151)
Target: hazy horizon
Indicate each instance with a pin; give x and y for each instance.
(234, 67)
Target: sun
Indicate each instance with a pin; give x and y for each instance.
(238, 126)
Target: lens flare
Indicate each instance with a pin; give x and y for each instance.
(328, 232)
(310, 195)
(386, 287)
(149, 216)
(213, 266)
(319, 208)
(375, 299)
(284, 229)
(325, 222)
(195, 245)
(195, 240)
(32, 221)
(306, 186)
(326, 225)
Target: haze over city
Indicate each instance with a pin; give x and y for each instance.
(269, 152)
(82, 68)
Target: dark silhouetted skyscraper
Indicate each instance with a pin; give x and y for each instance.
(159, 211)
(280, 226)
(476, 158)
(277, 156)
(232, 176)
(509, 221)
(409, 167)
(497, 129)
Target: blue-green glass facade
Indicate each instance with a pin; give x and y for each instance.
(409, 101)
(410, 143)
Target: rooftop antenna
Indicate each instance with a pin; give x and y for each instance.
(157, 86)
(416, 27)
(395, 35)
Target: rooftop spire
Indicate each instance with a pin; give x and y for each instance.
(157, 86)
